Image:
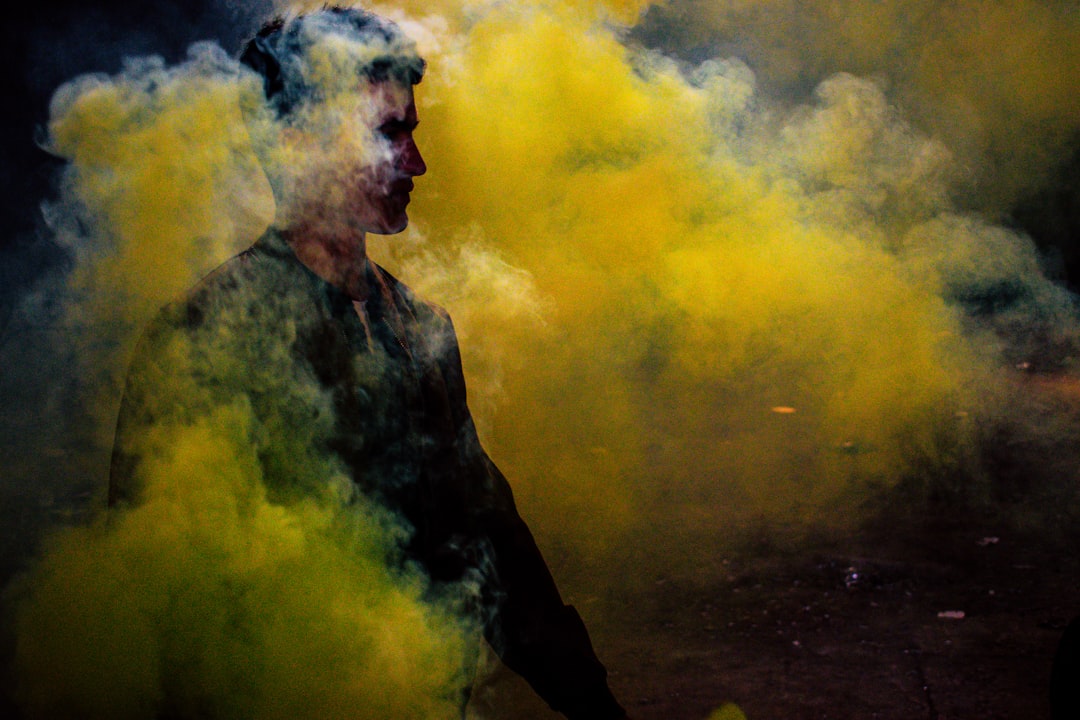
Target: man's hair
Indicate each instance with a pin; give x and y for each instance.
(280, 52)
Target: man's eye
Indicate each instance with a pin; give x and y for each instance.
(394, 130)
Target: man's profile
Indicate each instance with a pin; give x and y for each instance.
(341, 365)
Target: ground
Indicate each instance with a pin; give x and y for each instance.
(950, 610)
(868, 628)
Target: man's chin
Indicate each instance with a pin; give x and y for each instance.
(391, 227)
(392, 221)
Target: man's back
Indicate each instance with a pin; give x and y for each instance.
(345, 400)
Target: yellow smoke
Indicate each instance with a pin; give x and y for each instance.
(210, 599)
(998, 82)
(159, 162)
(223, 593)
(728, 711)
(161, 186)
(684, 305)
(702, 263)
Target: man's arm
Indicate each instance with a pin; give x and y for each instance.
(533, 631)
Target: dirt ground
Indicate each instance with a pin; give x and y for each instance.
(870, 628)
(954, 616)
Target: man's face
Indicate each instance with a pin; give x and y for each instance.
(382, 190)
(352, 160)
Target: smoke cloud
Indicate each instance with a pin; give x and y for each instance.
(997, 84)
(753, 308)
(160, 187)
(711, 264)
(251, 579)
(209, 599)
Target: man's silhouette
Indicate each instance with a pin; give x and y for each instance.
(343, 370)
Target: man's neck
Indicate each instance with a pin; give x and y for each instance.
(339, 258)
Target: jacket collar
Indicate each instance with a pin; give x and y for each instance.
(385, 300)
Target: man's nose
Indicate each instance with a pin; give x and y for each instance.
(412, 163)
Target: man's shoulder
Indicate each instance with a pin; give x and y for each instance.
(429, 326)
(254, 277)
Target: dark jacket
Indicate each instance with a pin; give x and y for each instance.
(385, 400)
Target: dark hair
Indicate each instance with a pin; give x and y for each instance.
(279, 50)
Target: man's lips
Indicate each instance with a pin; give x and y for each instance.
(400, 191)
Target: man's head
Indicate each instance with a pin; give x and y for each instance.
(339, 84)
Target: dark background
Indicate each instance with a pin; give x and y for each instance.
(47, 43)
(49, 459)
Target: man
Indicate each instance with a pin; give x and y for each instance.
(339, 364)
